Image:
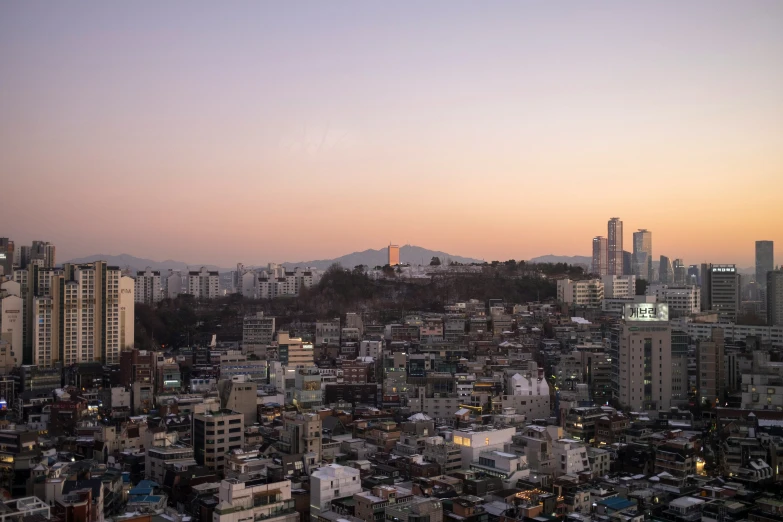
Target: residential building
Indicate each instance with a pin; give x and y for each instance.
(203, 284)
(371, 505)
(44, 252)
(173, 284)
(147, 287)
(332, 482)
(680, 380)
(6, 257)
(570, 457)
(215, 434)
(588, 293)
(256, 499)
(473, 441)
(676, 456)
(619, 287)
(239, 395)
(419, 509)
(302, 434)
(293, 352)
(307, 391)
(600, 265)
(160, 458)
(527, 392)
(445, 454)
(615, 247)
(710, 371)
(394, 255)
(327, 333)
(720, 290)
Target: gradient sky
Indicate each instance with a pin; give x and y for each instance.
(224, 132)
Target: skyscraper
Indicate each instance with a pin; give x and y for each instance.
(6, 256)
(394, 255)
(680, 272)
(765, 260)
(720, 290)
(45, 252)
(775, 297)
(642, 253)
(600, 266)
(665, 271)
(710, 372)
(615, 246)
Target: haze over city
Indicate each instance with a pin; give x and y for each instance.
(305, 131)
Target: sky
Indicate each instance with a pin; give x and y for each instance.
(225, 132)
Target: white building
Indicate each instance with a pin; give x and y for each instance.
(372, 349)
(203, 284)
(12, 325)
(268, 500)
(147, 287)
(474, 441)
(682, 300)
(527, 392)
(508, 467)
(570, 457)
(332, 482)
(173, 284)
(619, 286)
(587, 293)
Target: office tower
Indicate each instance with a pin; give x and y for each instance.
(614, 246)
(775, 297)
(394, 255)
(43, 251)
(147, 287)
(665, 271)
(680, 272)
(720, 290)
(680, 384)
(642, 253)
(641, 351)
(600, 266)
(203, 284)
(693, 275)
(291, 351)
(6, 257)
(765, 260)
(710, 374)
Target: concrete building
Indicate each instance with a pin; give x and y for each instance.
(394, 255)
(680, 380)
(640, 348)
(215, 435)
(710, 371)
(239, 395)
(473, 441)
(6, 257)
(570, 457)
(619, 287)
(173, 284)
(680, 272)
(445, 454)
(307, 389)
(371, 505)
(615, 247)
(765, 260)
(327, 333)
(417, 510)
(257, 331)
(259, 499)
(301, 435)
(44, 252)
(642, 254)
(682, 300)
(293, 352)
(775, 297)
(147, 287)
(527, 392)
(203, 284)
(600, 265)
(588, 293)
(720, 290)
(665, 271)
(332, 482)
(11, 328)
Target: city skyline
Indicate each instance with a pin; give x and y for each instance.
(286, 133)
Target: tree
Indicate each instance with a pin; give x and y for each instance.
(435, 261)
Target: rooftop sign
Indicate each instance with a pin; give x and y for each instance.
(646, 312)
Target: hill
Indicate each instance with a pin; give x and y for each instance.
(571, 260)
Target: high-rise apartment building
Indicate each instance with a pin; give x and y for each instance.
(394, 255)
(148, 288)
(720, 290)
(80, 313)
(665, 271)
(11, 324)
(642, 253)
(6, 256)
(600, 256)
(641, 353)
(765, 260)
(215, 435)
(710, 373)
(203, 284)
(775, 297)
(615, 246)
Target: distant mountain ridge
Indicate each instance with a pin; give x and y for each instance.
(409, 254)
(571, 260)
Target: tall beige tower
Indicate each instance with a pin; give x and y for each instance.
(394, 255)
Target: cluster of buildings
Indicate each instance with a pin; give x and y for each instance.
(597, 406)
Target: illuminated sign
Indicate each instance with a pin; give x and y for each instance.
(2, 256)
(646, 312)
(728, 269)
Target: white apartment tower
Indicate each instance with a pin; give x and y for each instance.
(619, 287)
(589, 293)
(147, 287)
(203, 284)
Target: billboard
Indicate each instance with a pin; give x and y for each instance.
(646, 312)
